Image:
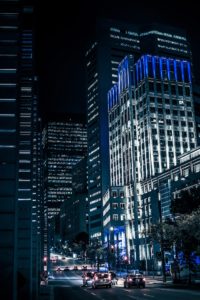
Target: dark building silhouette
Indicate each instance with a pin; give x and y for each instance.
(74, 212)
(19, 142)
(65, 144)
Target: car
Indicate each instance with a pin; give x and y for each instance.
(114, 277)
(87, 278)
(75, 268)
(84, 268)
(134, 280)
(66, 269)
(101, 279)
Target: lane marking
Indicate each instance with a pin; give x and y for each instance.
(179, 291)
(132, 297)
(51, 293)
(149, 296)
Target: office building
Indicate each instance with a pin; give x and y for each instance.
(18, 148)
(65, 144)
(111, 43)
(151, 123)
(115, 231)
(196, 94)
(158, 191)
(74, 212)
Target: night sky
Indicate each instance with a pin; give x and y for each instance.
(62, 32)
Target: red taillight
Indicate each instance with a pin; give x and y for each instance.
(130, 279)
(95, 278)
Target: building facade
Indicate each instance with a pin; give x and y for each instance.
(19, 192)
(74, 212)
(115, 226)
(151, 123)
(111, 43)
(156, 195)
(65, 144)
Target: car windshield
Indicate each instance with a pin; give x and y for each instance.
(135, 276)
(100, 275)
(89, 274)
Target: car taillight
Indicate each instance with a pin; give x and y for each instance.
(109, 277)
(144, 279)
(86, 278)
(130, 279)
(95, 278)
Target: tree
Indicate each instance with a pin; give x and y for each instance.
(183, 232)
(95, 252)
(187, 202)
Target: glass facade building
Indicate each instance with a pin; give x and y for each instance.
(65, 144)
(19, 146)
(112, 42)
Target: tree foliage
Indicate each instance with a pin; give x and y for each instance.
(187, 202)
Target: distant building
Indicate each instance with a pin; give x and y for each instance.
(111, 43)
(74, 212)
(65, 144)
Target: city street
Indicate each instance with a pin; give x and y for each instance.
(69, 286)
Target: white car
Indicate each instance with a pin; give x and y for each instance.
(101, 279)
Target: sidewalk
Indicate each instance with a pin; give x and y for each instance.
(45, 292)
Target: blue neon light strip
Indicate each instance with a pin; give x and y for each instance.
(128, 74)
(146, 65)
(136, 73)
(175, 70)
(125, 80)
(160, 63)
(140, 67)
(168, 69)
(189, 71)
(143, 66)
(182, 71)
(154, 67)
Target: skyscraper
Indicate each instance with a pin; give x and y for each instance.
(111, 43)
(74, 211)
(151, 123)
(18, 99)
(65, 144)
